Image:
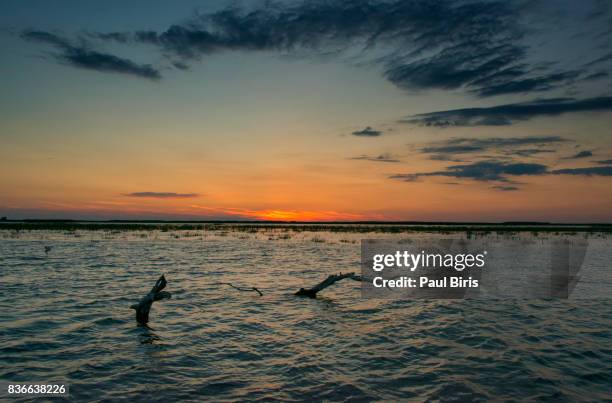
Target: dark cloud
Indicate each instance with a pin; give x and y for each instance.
(87, 59)
(452, 149)
(581, 154)
(587, 171)
(597, 76)
(528, 152)
(505, 188)
(82, 56)
(603, 59)
(484, 71)
(444, 44)
(479, 46)
(531, 84)
(445, 157)
(605, 162)
(481, 171)
(367, 132)
(380, 158)
(162, 195)
(180, 65)
(501, 171)
(46, 37)
(509, 146)
(120, 37)
(510, 113)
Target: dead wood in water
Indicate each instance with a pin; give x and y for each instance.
(306, 292)
(156, 294)
(244, 288)
(312, 292)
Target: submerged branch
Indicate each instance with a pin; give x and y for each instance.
(243, 288)
(312, 292)
(156, 294)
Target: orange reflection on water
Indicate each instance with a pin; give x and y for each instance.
(292, 215)
(285, 215)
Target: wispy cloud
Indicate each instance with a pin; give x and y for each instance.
(510, 113)
(501, 171)
(81, 56)
(586, 171)
(579, 155)
(503, 188)
(603, 59)
(480, 171)
(367, 132)
(162, 195)
(379, 158)
(447, 150)
(477, 46)
(529, 152)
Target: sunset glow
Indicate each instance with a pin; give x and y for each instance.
(101, 122)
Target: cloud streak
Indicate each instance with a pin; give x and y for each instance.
(441, 45)
(587, 171)
(505, 188)
(379, 158)
(162, 195)
(418, 51)
(367, 132)
(480, 171)
(478, 46)
(501, 171)
(448, 150)
(510, 113)
(81, 56)
(579, 155)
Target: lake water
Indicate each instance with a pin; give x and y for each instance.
(66, 319)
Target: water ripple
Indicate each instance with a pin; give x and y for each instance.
(66, 318)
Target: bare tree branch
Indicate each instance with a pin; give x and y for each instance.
(312, 292)
(156, 294)
(243, 288)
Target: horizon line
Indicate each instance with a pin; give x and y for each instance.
(354, 222)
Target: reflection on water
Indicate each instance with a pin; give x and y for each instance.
(66, 318)
(147, 334)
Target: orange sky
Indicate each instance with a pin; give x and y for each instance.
(263, 134)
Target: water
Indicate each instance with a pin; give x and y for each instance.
(66, 318)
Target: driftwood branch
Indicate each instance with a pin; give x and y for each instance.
(243, 288)
(156, 294)
(312, 292)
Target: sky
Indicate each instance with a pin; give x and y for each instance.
(453, 110)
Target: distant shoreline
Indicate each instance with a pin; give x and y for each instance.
(247, 226)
